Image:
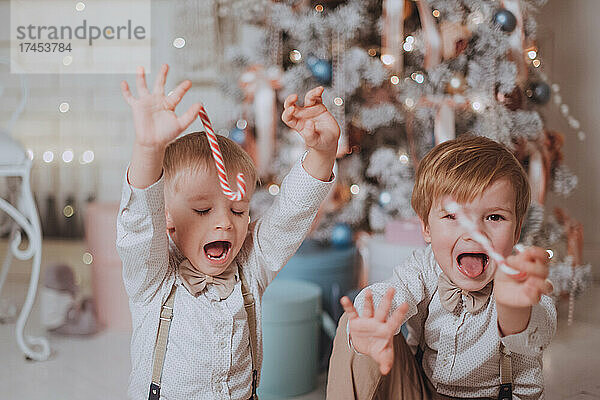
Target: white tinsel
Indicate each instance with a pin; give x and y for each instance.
(526, 124)
(385, 166)
(494, 123)
(307, 24)
(296, 79)
(491, 43)
(450, 10)
(380, 115)
(503, 125)
(253, 50)
(486, 8)
(347, 19)
(400, 196)
(507, 76)
(351, 167)
(530, 27)
(563, 180)
(534, 220)
(248, 10)
(358, 67)
(378, 218)
(438, 78)
(354, 211)
(565, 277)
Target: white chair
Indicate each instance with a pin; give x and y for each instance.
(24, 217)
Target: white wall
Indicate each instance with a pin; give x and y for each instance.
(99, 119)
(570, 32)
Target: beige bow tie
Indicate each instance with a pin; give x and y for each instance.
(195, 281)
(450, 295)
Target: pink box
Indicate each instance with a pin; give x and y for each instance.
(406, 232)
(112, 304)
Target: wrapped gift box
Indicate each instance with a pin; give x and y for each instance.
(112, 304)
(291, 325)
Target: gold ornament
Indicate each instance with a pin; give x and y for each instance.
(457, 84)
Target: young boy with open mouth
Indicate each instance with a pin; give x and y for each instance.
(474, 331)
(194, 265)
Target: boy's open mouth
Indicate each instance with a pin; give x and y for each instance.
(472, 264)
(217, 250)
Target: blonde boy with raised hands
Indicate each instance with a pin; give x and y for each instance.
(180, 238)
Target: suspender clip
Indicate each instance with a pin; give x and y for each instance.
(254, 384)
(154, 392)
(505, 392)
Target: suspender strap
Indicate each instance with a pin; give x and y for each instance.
(251, 316)
(160, 347)
(505, 374)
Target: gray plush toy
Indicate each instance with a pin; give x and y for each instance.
(62, 309)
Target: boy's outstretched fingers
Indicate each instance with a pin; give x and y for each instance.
(313, 96)
(533, 261)
(348, 308)
(189, 116)
(140, 81)
(368, 307)
(384, 307)
(397, 317)
(126, 92)
(159, 82)
(289, 108)
(177, 94)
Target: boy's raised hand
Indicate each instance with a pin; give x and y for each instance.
(520, 293)
(319, 129)
(154, 118)
(313, 121)
(373, 332)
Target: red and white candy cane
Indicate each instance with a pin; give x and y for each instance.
(216, 152)
(469, 225)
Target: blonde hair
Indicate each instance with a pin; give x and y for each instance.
(463, 168)
(191, 153)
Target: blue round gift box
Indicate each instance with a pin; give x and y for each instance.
(291, 327)
(333, 269)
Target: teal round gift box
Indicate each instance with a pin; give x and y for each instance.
(291, 323)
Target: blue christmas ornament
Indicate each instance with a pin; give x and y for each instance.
(237, 135)
(341, 236)
(321, 69)
(539, 92)
(384, 198)
(505, 19)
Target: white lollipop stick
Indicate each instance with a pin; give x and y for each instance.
(469, 225)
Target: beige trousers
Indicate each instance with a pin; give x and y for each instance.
(353, 376)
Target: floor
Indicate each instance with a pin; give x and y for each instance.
(97, 367)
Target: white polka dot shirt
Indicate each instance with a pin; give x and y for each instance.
(208, 354)
(462, 350)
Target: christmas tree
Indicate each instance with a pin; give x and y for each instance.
(402, 76)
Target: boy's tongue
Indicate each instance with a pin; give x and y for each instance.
(215, 249)
(471, 265)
